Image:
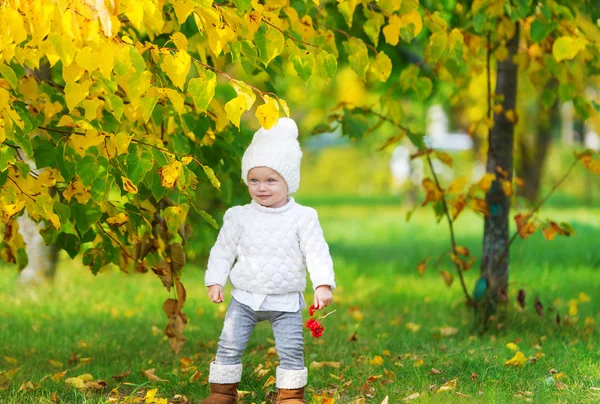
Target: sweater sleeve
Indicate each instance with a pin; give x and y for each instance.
(316, 252)
(223, 253)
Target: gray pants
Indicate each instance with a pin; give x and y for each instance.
(239, 324)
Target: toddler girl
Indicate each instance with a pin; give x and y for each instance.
(273, 240)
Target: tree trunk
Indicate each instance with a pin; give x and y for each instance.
(42, 259)
(533, 157)
(494, 262)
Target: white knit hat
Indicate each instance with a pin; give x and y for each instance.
(278, 149)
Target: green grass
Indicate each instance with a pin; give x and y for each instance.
(114, 318)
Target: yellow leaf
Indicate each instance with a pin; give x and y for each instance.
(211, 176)
(382, 67)
(518, 360)
(58, 376)
(449, 385)
(512, 116)
(566, 47)
(434, 194)
(118, 220)
(10, 209)
(177, 67)
(284, 106)
(128, 185)
(180, 41)
(413, 327)
(87, 58)
(444, 158)
(501, 53)
(418, 363)
(176, 99)
(485, 183)
(56, 364)
(135, 13)
(75, 93)
(423, 265)
(183, 8)
(377, 360)
(9, 360)
(91, 108)
(448, 331)
(512, 346)
(413, 396)
(81, 143)
(583, 298)
(169, 174)
(448, 278)
(506, 187)
(122, 141)
(270, 381)
(457, 185)
(150, 394)
(268, 113)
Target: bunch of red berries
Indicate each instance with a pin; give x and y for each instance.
(313, 325)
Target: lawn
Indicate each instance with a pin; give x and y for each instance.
(393, 332)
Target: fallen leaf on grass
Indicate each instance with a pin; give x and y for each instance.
(448, 331)
(195, 376)
(56, 364)
(122, 376)
(435, 371)
(512, 346)
(595, 388)
(386, 400)
(377, 360)
(413, 396)
(270, 381)
(389, 374)
(322, 400)
(151, 376)
(26, 386)
(371, 379)
(449, 385)
(419, 363)
(463, 395)
(413, 327)
(319, 365)
(9, 360)
(58, 376)
(517, 360)
(6, 377)
(474, 376)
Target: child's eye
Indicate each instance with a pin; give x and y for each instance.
(271, 180)
(253, 180)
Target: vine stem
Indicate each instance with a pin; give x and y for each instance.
(115, 240)
(451, 226)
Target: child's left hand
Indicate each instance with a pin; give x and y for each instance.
(323, 297)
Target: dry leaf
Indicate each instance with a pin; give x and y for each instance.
(413, 396)
(151, 376)
(434, 371)
(122, 376)
(319, 365)
(386, 400)
(58, 376)
(449, 385)
(270, 381)
(377, 360)
(448, 331)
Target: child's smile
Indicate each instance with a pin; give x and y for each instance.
(267, 187)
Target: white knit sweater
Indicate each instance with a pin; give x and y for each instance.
(273, 247)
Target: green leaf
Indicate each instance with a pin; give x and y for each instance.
(6, 155)
(567, 91)
(65, 162)
(206, 216)
(270, 43)
(153, 182)
(438, 42)
(100, 188)
(175, 216)
(138, 166)
(302, 59)
(540, 30)
(354, 125)
(137, 61)
(582, 107)
(9, 75)
(70, 243)
(243, 5)
(548, 97)
(328, 63)
(417, 140)
(43, 155)
(423, 87)
(21, 258)
(211, 176)
(358, 56)
(85, 215)
(86, 170)
(148, 104)
(457, 45)
(346, 9)
(202, 89)
(373, 27)
(116, 106)
(94, 259)
(382, 67)
(23, 140)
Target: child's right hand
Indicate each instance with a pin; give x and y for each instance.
(215, 292)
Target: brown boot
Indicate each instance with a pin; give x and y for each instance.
(290, 396)
(222, 394)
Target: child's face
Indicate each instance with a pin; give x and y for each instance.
(267, 187)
